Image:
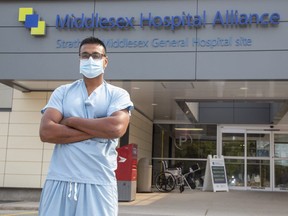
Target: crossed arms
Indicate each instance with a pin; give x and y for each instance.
(55, 129)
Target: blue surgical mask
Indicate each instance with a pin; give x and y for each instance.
(91, 68)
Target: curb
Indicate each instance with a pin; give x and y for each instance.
(20, 206)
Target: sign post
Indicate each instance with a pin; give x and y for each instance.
(215, 174)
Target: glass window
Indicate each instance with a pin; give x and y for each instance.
(235, 172)
(281, 145)
(258, 173)
(183, 146)
(281, 174)
(258, 145)
(233, 144)
(197, 166)
(281, 166)
(184, 141)
(192, 141)
(194, 147)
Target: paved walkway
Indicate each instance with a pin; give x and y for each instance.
(198, 203)
(188, 203)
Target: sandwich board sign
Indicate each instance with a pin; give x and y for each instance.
(215, 174)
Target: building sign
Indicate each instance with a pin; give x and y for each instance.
(153, 21)
(215, 174)
(31, 21)
(150, 21)
(119, 43)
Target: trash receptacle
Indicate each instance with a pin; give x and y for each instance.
(144, 175)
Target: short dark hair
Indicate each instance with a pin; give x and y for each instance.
(92, 40)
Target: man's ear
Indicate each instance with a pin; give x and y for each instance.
(105, 62)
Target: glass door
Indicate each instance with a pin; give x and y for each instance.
(258, 163)
(280, 161)
(247, 157)
(255, 159)
(232, 147)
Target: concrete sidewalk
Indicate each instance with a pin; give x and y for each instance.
(193, 203)
(199, 203)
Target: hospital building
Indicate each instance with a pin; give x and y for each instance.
(206, 78)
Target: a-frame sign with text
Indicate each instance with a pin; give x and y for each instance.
(215, 175)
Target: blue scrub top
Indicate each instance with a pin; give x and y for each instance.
(91, 161)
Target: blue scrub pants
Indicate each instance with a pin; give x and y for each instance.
(60, 198)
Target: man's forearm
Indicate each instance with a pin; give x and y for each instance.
(108, 127)
(61, 134)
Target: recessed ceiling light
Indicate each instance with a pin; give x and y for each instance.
(244, 88)
(189, 129)
(136, 88)
(154, 104)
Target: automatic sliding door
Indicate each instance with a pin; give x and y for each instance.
(280, 162)
(255, 160)
(258, 174)
(258, 160)
(247, 157)
(233, 150)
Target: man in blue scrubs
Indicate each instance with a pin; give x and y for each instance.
(84, 119)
